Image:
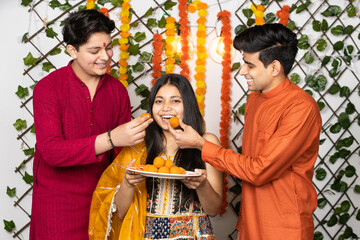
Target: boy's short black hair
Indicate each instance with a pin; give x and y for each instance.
(79, 26)
(272, 41)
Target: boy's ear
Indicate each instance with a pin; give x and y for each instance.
(72, 51)
(276, 68)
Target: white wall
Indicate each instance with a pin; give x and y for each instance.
(15, 21)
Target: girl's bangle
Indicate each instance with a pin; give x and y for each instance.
(109, 139)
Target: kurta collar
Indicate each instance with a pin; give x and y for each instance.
(76, 78)
(276, 91)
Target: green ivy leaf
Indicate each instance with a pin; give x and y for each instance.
(56, 51)
(54, 4)
(138, 67)
(343, 153)
(334, 72)
(322, 203)
(344, 218)
(32, 129)
(145, 57)
(335, 128)
(309, 92)
(309, 58)
(332, 221)
(303, 42)
(241, 109)
(162, 22)
(350, 108)
(310, 81)
(113, 73)
(344, 120)
(334, 157)
(65, 7)
(357, 190)
(149, 12)
(24, 37)
(351, 11)
(142, 90)
(47, 66)
(28, 151)
(324, 25)
(348, 29)
(9, 225)
(236, 189)
(247, 12)
(169, 4)
(139, 36)
(270, 18)
(102, 2)
(338, 30)
(344, 91)
(303, 6)
(22, 92)
(318, 236)
(250, 22)
(151, 23)
(321, 105)
(320, 174)
(339, 186)
(239, 29)
(322, 141)
(235, 66)
(28, 178)
(350, 171)
(20, 124)
(50, 33)
(338, 45)
(116, 3)
(291, 25)
(11, 192)
(30, 60)
(321, 82)
(316, 25)
(295, 78)
(25, 3)
(321, 45)
(331, 11)
(134, 49)
(325, 61)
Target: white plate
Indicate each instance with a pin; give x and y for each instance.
(165, 175)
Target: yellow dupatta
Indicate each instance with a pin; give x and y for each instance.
(103, 223)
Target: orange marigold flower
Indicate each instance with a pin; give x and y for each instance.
(123, 63)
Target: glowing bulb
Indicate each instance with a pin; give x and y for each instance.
(220, 49)
(177, 47)
(217, 49)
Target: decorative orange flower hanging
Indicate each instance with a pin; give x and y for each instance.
(283, 14)
(104, 11)
(169, 49)
(184, 33)
(90, 4)
(224, 17)
(200, 52)
(258, 10)
(156, 59)
(123, 41)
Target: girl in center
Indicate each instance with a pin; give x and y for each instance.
(126, 205)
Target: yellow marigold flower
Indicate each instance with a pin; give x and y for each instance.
(259, 21)
(123, 63)
(126, 1)
(260, 7)
(170, 61)
(125, 83)
(200, 84)
(125, 5)
(123, 41)
(202, 13)
(170, 32)
(200, 68)
(200, 98)
(191, 8)
(124, 47)
(201, 41)
(123, 77)
(122, 70)
(125, 19)
(90, 5)
(170, 26)
(170, 20)
(170, 39)
(169, 68)
(125, 34)
(169, 53)
(201, 27)
(124, 55)
(202, 5)
(196, 2)
(124, 13)
(202, 55)
(125, 27)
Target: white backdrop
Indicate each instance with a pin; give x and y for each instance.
(15, 21)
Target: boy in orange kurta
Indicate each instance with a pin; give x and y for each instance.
(280, 141)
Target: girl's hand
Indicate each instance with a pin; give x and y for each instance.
(196, 182)
(131, 178)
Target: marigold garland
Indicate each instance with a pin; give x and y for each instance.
(283, 14)
(156, 59)
(258, 10)
(224, 17)
(90, 4)
(169, 49)
(123, 41)
(200, 52)
(184, 32)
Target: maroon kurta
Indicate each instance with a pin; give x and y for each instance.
(66, 169)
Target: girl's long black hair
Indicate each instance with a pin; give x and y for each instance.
(189, 159)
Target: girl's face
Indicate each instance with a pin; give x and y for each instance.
(168, 103)
(94, 56)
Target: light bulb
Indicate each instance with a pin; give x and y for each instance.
(217, 49)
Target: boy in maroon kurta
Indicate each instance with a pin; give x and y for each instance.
(280, 141)
(82, 117)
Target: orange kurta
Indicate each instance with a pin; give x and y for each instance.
(280, 147)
